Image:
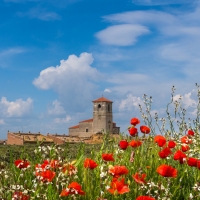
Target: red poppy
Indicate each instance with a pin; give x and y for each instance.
(135, 121)
(73, 188)
(108, 157)
(145, 198)
(179, 155)
(133, 131)
(160, 140)
(118, 187)
(123, 144)
(135, 143)
(192, 162)
(52, 163)
(190, 132)
(19, 195)
(167, 171)
(184, 147)
(171, 144)
(117, 171)
(165, 152)
(69, 169)
(89, 163)
(145, 129)
(45, 175)
(186, 140)
(22, 164)
(139, 178)
(198, 164)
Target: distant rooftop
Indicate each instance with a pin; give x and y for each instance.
(102, 99)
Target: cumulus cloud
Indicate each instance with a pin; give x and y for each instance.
(74, 80)
(130, 102)
(107, 90)
(121, 35)
(62, 120)
(186, 100)
(56, 108)
(18, 108)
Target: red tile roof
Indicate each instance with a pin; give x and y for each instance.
(77, 126)
(87, 120)
(102, 99)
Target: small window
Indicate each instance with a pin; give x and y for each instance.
(108, 108)
(86, 130)
(99, 106)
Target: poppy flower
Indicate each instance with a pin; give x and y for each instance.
(135, 143)
(135, 121)
(73, 188)
(145, 198)
(171, 144)
(192, 162)
(117, 171)
(118, 187)
(19, 195)
(145, 129)
(198, 164)
(165, 152)
(190, 132)
(89, 163)
(22, 164)
(179, 155)
(186, 140)
(139, 178)
(123, 144)
(160, 140)
(167, 171)
(51, 163)
(107, 157)
(133, 131)
(45, 175)
(69, 169)
(184, 147)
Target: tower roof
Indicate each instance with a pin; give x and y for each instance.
(102, 99)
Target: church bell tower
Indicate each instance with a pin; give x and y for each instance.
(102, 115)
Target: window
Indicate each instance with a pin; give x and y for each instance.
(86, 130)
(108, 108)
(99, 106)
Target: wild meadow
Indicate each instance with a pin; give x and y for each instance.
(157, 159)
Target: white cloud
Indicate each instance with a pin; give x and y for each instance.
(186, 100)
(41, 14)
(130, 103)
(121, 35)
(74, 80)
(62, 120)
(56, 108)
(12, 51)
(18, 108)
(2, 122)
(107, 90)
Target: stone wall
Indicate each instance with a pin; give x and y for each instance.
(14, 139)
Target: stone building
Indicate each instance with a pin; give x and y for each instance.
(18, 138)
(102, 121)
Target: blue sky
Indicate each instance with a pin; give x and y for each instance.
(58, 56)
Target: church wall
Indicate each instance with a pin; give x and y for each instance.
(74, 131)
(86, 128)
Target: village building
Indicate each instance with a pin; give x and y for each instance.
(18, 138)
(102, 121)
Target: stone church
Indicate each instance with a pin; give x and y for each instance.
(102, 121)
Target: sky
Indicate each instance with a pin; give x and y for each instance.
(56, 57)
